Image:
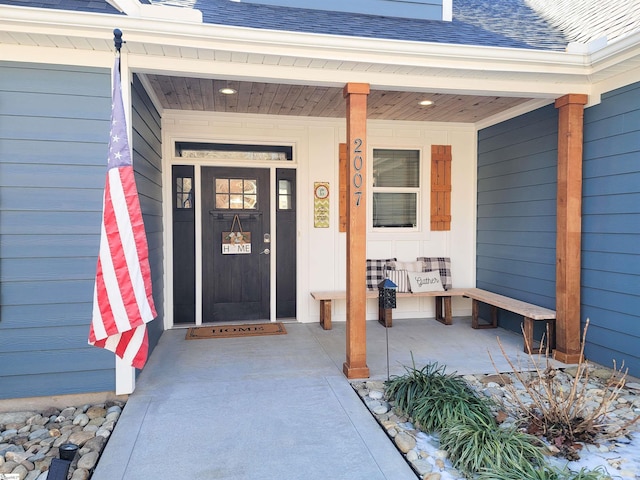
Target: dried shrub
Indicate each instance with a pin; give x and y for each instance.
(564, 416)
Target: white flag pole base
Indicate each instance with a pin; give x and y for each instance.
(125, 377)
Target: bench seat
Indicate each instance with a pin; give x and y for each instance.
(442, 299)
(530, 313)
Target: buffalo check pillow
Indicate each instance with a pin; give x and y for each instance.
(440, 264)
(376, 271)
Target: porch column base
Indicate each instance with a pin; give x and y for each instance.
(568, 358)
(355, 372)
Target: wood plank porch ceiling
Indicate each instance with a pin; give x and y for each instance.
(198, 94)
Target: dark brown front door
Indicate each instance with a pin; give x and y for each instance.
(236, 244)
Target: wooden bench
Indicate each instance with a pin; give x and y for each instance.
(530, 312)
(442, 299)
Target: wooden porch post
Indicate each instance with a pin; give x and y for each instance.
(356, 97)
(569, 226)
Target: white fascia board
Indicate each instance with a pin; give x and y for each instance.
(56, 56)
(618, 51)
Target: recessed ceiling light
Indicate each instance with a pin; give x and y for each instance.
(228, 91)
(425, 103)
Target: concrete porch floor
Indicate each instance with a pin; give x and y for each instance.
(278, 407)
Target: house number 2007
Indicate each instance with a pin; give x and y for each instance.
(357, 166)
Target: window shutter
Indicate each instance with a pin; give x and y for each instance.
(342, 157)
(440, 187)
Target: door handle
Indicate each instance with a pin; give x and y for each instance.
(266, 251)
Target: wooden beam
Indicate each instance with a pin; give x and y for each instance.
(355, 365)
(569, 226)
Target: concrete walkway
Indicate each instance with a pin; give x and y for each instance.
(278, 407)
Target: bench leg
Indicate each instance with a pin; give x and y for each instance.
(550, 334)
(527, 331)
(385, 317)
(475, 316)
(325, 314)
(443, 310)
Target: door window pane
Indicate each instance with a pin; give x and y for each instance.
(236, 193)
(184, 192)
(285, 200)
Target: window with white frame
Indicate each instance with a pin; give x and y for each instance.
(396, 188)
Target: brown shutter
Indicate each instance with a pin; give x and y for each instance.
(342, 201)
(440, 187)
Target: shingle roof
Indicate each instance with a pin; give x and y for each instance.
(587, 20)
(530, 24)
(499, 23)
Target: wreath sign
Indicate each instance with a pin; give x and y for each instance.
(233, 240)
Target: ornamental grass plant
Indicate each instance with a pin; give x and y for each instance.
(476, 444)
(444, 403)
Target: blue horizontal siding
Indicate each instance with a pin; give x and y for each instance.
(513, 195)
(43, 246)
(52, 361)
(610, 293)
(522, 252)
(610, 242)
(613, 301)
(28, 269)
(52, 176)
(605, 356)
(609, 319)
(34, 315)
(51, 199)
(514, 223)
(41, 152)
(147, 160)
(618, 263)
(619, 223)
(522, 239)
(49, 338)
(64, 383)
(58, 291)
(49, 223)
(516, 217)
(507, 265)
(54, 129)
(522, 209)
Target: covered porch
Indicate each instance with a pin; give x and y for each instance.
(245, 410)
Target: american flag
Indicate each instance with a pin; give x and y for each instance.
(122, 300)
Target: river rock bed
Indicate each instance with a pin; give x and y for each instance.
(619, 456)
(30, 440)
